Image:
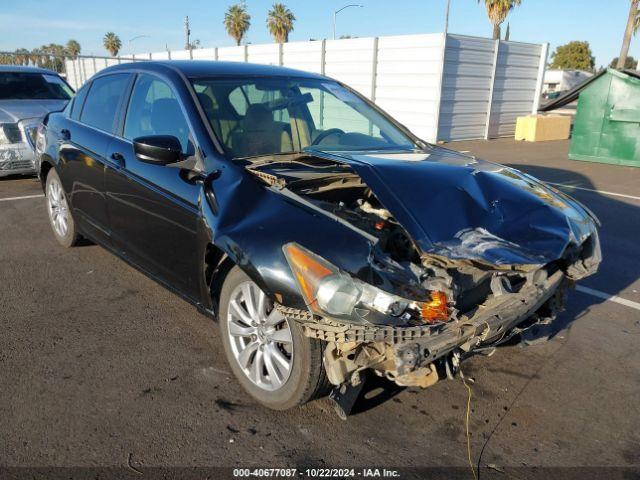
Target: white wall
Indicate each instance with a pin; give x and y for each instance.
(486, 85)
(408, 80)
(475, 88)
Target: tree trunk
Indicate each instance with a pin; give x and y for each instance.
(496, 31)
(627, 35)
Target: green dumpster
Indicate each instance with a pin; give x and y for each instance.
(607, 123)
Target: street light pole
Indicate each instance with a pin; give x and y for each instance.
(336, 12)
(136, 38)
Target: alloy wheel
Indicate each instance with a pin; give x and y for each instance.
(260, 337)
(58, 208)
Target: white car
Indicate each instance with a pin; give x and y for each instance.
(27, 94)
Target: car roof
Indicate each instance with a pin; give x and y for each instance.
(25, 69)
(204, 68)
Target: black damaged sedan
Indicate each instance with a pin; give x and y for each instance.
(325, 238)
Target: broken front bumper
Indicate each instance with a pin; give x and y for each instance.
(408, 349)
(489, 324)
(16, 158)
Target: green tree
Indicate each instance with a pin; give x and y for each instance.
(497, 11)
(573, 56)
(112, 43)
(629, 63)
(633, 22)
(237, 21)
(73, 48)
(280, 22)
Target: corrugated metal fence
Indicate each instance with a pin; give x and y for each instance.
(441, 87)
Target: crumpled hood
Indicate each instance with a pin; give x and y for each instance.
(12, 111)
(457, 206)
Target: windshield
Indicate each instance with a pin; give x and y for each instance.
(33, 86)
(264, 116)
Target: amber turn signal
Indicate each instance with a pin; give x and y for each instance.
(436, 309)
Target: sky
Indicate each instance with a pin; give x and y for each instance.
(31, 23)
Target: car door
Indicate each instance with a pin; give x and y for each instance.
(153, 209)
(84, 139)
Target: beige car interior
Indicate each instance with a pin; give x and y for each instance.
(257, 131)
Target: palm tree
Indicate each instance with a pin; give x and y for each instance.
(22, 56)
(497, 11)
(112, 43)
(280, 22)
(237, 21)
(633, 22)
(73, 48)
(36, 57)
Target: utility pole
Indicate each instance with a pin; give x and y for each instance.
(187, 33)
(446, 17)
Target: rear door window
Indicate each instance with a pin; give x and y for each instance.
(101, 106)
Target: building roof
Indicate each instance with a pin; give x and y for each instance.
(572, 95)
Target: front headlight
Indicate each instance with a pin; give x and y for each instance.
(10, 133)
(331, 292)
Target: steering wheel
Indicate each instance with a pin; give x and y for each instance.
(325, 134)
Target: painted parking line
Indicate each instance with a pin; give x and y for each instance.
(604, 192)
(606, 296)
(11, 199)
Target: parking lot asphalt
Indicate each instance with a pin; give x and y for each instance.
(100, 366)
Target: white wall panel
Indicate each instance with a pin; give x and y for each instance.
(351, 61)
(408, 81)
(160, 55)
(180, 55)
(72, 76)
(305, 56)
(515, 84)
(204, 54)
(231, 54)
(466, 87)
(438, 94)
(268, 54)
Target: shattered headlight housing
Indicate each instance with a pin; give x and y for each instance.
(11, 144)
(10, 134)
(328, 291)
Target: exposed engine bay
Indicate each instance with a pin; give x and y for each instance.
(481, 304)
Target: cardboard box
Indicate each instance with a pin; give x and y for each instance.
(539, 128)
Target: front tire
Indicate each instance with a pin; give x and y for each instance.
(62, 223)
(271, 358)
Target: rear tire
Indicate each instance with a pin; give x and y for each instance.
(259, 342)
(60, 218)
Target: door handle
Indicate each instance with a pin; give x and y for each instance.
(118, 159)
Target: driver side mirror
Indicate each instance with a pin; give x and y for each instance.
(158, 149)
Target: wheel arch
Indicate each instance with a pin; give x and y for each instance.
(218, 263)
(46, 164)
